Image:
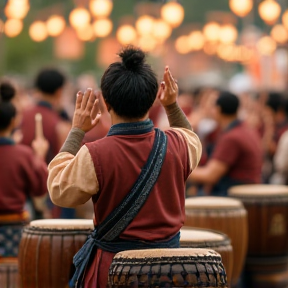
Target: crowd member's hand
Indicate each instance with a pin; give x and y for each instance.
(40, 145)
(168, 90)
(87, 110)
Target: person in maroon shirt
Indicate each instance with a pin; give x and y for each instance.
(23, 173)
(237, 156)
(49, 83)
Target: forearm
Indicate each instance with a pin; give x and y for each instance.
(176, 117)
(73, 142)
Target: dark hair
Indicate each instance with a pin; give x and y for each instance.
(228, 103)
(49, 80)
(7, 109)
(130, 87)
(275, 101)
(7, 91)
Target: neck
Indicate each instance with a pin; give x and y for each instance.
(225, 121)
(116, 119)
(50, 99)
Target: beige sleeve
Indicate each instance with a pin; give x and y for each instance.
(194, 146)
(72, 180)
(281, 155)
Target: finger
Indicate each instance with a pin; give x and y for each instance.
(38, 126)
(85, 98)
(167, 79)
(90, 102)
(79, 97)
(95, 109)
(96, 119)
(172, 80)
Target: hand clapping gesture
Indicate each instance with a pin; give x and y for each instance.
(87, 110)
(168, 90)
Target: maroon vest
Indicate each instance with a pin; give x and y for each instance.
(50, 120)
(118, 161)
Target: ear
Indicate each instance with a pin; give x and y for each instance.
(107, 105)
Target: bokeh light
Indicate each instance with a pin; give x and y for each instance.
(101, 8)
(266, 45)
(211, 31)
(269, 11)
(279, 34)
(79, 18)
(182, 44)
(38, 31)
(13, 27)
(144, 25)
(55, 25)
(126, 34)
(102, 27)
(241, 8)
(228, 34)
(173, 13)
(17, 9)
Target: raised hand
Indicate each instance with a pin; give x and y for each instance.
(168, 90)
(87, 110)
(40, 145)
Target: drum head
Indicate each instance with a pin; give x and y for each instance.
(166, 253)
(63, 224)
(259, 191)
(209, 202)
(194, 237)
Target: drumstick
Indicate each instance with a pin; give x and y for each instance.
(38, 126)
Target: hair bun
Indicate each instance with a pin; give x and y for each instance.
(132, 58)
(7, 91)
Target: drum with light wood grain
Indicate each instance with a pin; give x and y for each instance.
(267, 255)
(46, 251)
(209, 239)
(182, 267)
(225, 215)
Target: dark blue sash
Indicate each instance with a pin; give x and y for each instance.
(106, 235)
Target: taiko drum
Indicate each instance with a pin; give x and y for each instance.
(182, 267)
(267, 255)
(225, 215)
(46, 251)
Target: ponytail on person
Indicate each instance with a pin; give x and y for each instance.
(7, 109)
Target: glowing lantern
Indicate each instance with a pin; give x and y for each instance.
(211, 31)
(17, 9)
(102, 27)
(241, 8)
(38, 31)
(285, 19)
(161, 30)
(172, 13)
(182, 44)
(86, 33)
(74, 50)
(269, 11)
(101, 8)
(266, 45)
(126, 34)
(55, 25)
(13, 27)
(279, 34)
(147, 43)
(196, 40)
(228, 34)
(79, 18)
(144, 25)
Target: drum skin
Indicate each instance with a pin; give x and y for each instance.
(209, 239)
(182, 267)
(225, 215)
(267, 218)
(46, 255)
(9, 277)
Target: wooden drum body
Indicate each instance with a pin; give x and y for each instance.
(183, 267)
(209, 239)
(46, 251)
(267, 255)
(222, 214)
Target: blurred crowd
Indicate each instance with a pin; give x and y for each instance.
(244, 138)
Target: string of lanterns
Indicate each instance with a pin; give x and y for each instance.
(214, 39)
